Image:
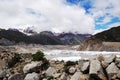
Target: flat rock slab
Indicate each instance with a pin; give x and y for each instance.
(112, 69)
(110, 58)
(94, 67)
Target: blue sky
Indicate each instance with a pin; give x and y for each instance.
(88, 4)
(82, 16)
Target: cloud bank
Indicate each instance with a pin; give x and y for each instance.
(54, 15)
(83, 16)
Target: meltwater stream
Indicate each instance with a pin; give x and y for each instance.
(73, 55)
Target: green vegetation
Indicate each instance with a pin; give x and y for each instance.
(50, 78)
(70, 63)
(39, 56)
(15, 59)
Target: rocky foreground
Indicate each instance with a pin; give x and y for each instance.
(14, 66)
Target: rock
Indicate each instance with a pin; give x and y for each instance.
(112, 69)
(118, 65)
(76, 76)
(57, 75)
(101, 58)
(63, 76)
(72, 70)
(50, 71)
(104, 64)
(18, 76)
(84, 77)
(3, 73)
(32, 76)
(118, 74)
(96, 71)
(101, 76)
(2, 64)
(80, 63)
(95, 67)
(110, 58)
(85, 68)
(33, 66)
(117, 60)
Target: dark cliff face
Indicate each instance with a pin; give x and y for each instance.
(99, 42)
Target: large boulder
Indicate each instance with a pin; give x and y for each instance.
(76, 76)
(32, 67)
(50, 71)
(95, 67)
(32, 76)
(85, 68)
(96, 71)
(18, 76)
(112, 70)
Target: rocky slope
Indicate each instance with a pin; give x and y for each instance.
(70, 38)
(99, 68)
(108, 40)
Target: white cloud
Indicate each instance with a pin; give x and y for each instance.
(100, 8)
(54, 15)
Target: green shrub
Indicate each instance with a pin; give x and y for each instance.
(38, 56)
(45, 64)
(70, 63)
(50, 78)
(15, 59)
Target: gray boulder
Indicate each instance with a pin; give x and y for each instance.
(76, 76)
(85, 67)
(50, 71)
(109, 59)
(63, 76)
(33, 66)
(95, 66)
(112, 69)
(18, 76)
(72, 70)
(3, 73)
(32, 76)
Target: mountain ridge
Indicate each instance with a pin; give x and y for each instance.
(44, 37)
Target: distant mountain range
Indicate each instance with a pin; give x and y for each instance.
(108, 40)
(28, 36)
